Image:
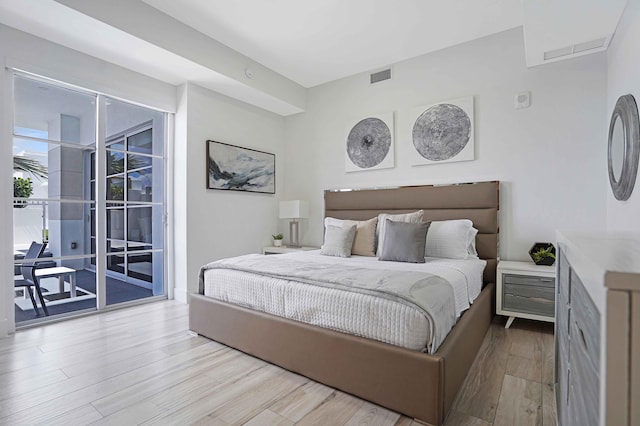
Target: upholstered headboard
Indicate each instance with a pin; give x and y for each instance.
(476, 201)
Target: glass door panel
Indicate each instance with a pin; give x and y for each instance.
(134, 142)
(54, 131)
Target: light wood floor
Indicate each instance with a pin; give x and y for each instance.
(140, 366)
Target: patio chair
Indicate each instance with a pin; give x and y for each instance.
(29, 278)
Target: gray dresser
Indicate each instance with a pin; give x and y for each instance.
(597, 358)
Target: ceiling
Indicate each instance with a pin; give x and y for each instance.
(314, 42)
(267, 53)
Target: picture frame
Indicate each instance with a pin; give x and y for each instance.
(442, 132)
(235, 168)
(370, 143)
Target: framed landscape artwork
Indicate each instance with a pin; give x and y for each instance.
(235, 168)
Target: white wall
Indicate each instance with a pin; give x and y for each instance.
(213, 224)
(624, 78)
(42, 57)
(548, 157)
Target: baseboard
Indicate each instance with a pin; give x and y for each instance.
(181, 295)
(4, 328)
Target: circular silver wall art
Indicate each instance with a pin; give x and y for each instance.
(441, 132)
(368, 142)
(623, 150)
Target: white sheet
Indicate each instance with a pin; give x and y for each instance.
(354, 313)
(464, 275)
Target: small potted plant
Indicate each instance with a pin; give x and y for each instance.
(277, 240)
(543, 254)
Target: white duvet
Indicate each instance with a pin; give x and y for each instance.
(348, 312)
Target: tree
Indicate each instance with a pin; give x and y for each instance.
(29, 165)
(23, 187)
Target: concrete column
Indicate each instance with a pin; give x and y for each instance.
(66, 180)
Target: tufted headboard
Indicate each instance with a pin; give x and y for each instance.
(478, 202)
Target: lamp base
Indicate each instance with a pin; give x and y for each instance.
(294, 234)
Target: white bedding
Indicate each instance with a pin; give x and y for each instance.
(349, 312)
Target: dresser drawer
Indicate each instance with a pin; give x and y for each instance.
(584, 399)
(529, 280)
(563, 324)
(586, 318)
(562, 367)
(529, 299)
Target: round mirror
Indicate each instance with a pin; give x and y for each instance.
(617, 149)
(624, 147)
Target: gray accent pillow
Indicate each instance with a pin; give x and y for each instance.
(404, 241)
(414, 217)
(338, 240)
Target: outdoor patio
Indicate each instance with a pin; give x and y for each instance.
(117, 292)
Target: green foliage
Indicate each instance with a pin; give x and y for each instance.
(22, 188)
(117, 192)
(278, 237)
(543, 253)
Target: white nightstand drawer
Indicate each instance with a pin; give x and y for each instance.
(529, 280)
(535, 300)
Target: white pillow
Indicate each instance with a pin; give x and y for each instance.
(451, 239)
(338, 241)
(364, 243)
(414, 217)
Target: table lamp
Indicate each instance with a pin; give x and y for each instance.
(296, 209)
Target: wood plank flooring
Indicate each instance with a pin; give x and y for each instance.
(141, 366)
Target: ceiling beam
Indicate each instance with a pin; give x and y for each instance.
(259, 85)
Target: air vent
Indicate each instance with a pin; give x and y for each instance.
(598, 43)
(552, 54)
(589, 45)
(379, 76)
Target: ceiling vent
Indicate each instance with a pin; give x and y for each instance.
(558, 53)
(575, 49)
(379, 76)
(589, 45)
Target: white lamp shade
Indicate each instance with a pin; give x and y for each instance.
(296, 209)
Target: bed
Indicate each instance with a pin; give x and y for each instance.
(417, 384)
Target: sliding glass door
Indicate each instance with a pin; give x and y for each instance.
(134, 146)
(89, 182)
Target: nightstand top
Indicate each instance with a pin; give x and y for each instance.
(285, 249)
(510, 265)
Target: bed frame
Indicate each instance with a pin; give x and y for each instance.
(416, 384)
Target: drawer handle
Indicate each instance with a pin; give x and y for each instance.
(582, 339)
(547, 280)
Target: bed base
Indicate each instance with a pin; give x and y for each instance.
(416, 384)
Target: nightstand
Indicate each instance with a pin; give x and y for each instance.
(525, 290)
(284, 249)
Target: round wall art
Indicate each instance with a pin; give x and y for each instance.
(444, 132)
(370, 144)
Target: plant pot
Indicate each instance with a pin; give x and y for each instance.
(277, 243)
(545, 261)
